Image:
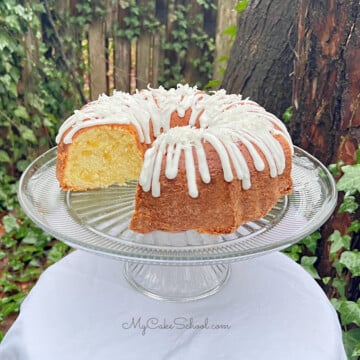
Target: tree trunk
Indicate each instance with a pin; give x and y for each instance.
(326, 94)
(325, 85)
(261, 60)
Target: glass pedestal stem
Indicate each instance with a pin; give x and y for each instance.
(177, 283)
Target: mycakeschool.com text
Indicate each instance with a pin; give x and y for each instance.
(144, 325)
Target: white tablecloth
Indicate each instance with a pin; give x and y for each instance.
(83, 308)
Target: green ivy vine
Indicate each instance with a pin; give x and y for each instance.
(344, 257)
(35, 94)
(32, 85)
(139, 18)
(187, 30)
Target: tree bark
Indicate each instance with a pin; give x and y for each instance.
(325, 85)
(326, 92)
(326, 96)
(261, 60)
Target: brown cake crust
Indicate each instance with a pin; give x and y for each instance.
(229, 204)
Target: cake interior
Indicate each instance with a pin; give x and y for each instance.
(102, 156)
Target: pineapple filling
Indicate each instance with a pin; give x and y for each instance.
(102, 156)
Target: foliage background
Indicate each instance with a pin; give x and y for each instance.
(37, 91)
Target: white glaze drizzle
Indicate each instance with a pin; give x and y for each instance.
(225, 121)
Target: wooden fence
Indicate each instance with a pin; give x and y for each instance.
(116, 62)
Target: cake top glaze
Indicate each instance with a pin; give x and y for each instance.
(223, 120)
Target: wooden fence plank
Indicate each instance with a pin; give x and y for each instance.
(144, 53)
(122, 64)
(115, 62)
(191, 74)
(111, 14)
(97, 59)
(226, 16)
(122, 53)
(157, 58)
(143, 60)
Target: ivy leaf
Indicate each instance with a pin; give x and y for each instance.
(294, 252)
(349, 204)
(21, 112)
(5, 40)
(349, 311)
(338, 242)
(31, 238)
(354, 226)
(21, 165)
(57, 252)
(10, 223)
(351, 260)
(350, 181)
(212, 83)
(28, 134)
(335, 169)
(338, 267)
(4, 157)
(12, 89)
(351, 340)
(339, 284)
(10, 304)
(223, 58)
(231, 31)
(241, 6)
(307, 262)
(311, 241)
(356, 351)
(288, 114)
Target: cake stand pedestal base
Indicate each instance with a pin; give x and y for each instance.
(177, 283)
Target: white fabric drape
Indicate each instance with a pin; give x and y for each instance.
(82, 308)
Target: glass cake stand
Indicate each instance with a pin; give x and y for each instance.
(172, 266)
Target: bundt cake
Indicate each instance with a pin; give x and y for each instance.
(204, 162)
